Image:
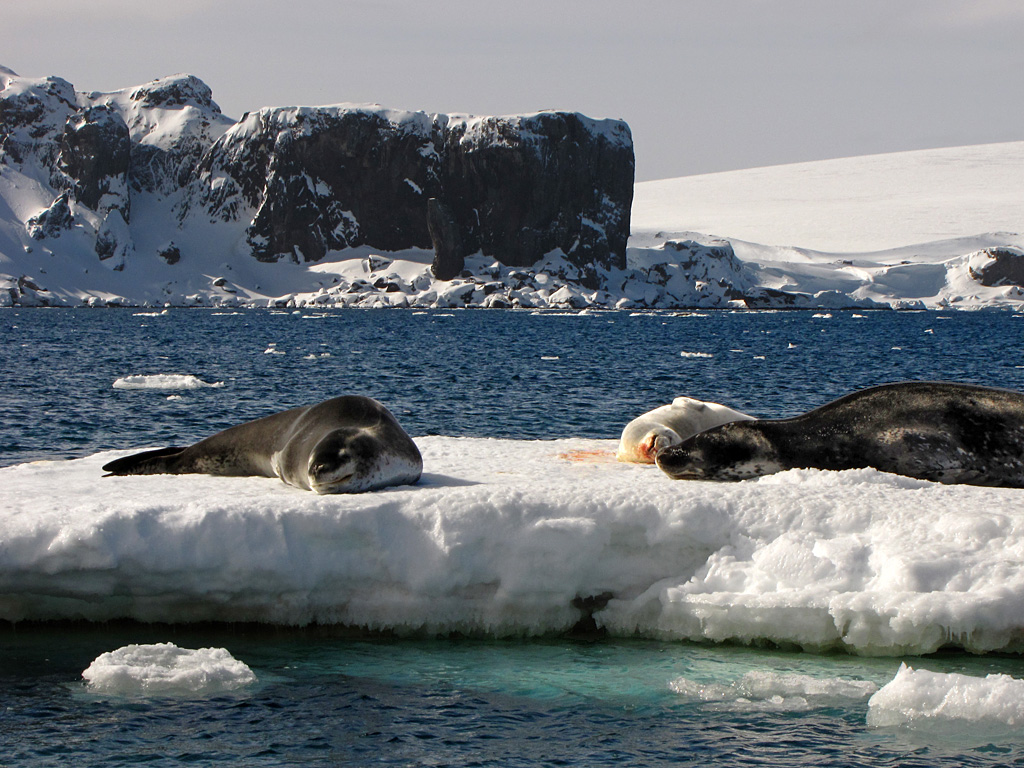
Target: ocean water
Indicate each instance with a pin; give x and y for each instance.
(328, 698)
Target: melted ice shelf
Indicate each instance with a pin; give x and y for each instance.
(500, 536)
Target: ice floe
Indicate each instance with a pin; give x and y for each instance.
(166, 669)
(500, 538)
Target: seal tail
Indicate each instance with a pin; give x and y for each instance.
(156, 462)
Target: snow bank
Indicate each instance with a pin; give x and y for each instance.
(854, 204)
(776, 691)
(164, 381)
(932, 700)
(166, 669)
(501, 536)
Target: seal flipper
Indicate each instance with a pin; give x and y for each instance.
(153, 462)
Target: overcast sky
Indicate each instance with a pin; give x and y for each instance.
(705, 85)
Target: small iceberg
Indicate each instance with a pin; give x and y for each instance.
(166, 669)
(924, 700)
(164, 381)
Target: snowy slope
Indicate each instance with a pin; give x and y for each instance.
(852, 205)
(903, 229)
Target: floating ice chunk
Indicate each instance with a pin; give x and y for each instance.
(776, 691)
(164, 381)
(166, 669)
(923, 699)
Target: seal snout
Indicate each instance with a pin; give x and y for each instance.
(329, 471)
(679, 464)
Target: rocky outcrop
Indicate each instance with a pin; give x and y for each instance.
(449, 251)
(313, 180)
(299, 183)
(94, 157)
(52, 221)
(520, 187)
(515, 188)
(999, 266)
(33, 113)
(173, 122)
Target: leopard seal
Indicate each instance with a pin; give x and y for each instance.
(649, 433)
(344, 445)
(939, 431)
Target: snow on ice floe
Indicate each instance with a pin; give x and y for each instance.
(500, 537)
(933, 701)
(164, 381)
(166, 669)
(765, 690)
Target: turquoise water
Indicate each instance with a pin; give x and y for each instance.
(325, 698)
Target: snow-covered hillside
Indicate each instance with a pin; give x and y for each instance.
(147, 197)
(905, 229)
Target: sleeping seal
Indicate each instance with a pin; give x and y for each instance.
(344, 445)
(947, 433)
(656, 430)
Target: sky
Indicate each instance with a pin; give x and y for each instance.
(705, 85)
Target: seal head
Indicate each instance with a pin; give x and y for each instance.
(647, 435)
(729, 452)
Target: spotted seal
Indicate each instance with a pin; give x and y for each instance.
(944, 432)
(656, 430)
(343, 445)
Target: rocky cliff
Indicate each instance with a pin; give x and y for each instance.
(150, 196)
(299, 183)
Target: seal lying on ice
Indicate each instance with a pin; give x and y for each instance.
(947, 433)
(344, 445)
(656, 430)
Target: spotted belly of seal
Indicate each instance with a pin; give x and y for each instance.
(940, 431)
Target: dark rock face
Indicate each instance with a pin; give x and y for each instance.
(170, 253)
(514, 188)
(449, 252)
(94, 154)
(323, 179)
(1006, 269)
(523, 186)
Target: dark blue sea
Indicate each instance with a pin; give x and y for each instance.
(328, 698)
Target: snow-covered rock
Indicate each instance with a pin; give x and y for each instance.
(296, 206)
(296, 185)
